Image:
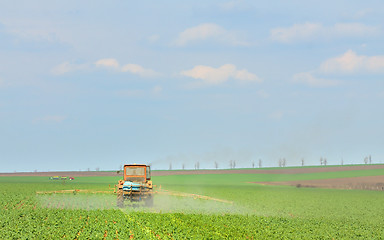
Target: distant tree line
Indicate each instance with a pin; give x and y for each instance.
(282, 162)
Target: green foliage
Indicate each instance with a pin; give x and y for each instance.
(235, 179)
(258, 212)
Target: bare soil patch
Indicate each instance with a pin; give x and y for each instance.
(270, 171)
(366, 183)
(194, 172)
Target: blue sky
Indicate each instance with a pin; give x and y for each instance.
(96, 84)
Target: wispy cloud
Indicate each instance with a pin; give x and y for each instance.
(216, 76)
(139, 70)
(108, 63)
(32, 29)
(136, 69)
(105, 63)
(208, 31)
(309, 79)
(345, 64)
(316, 31)
(350, 63)
(67, 67)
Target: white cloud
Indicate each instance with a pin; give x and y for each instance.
(108, 63)
(131, 68)
(310, 80)
(139, 70)
(244, 75)
(347, 63)
(68, 67)
(216, 76)
(51, 118)
(211, 75)
(316, 31)
(350, 62)
(208, 31)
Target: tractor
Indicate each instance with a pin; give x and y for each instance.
(136, 185)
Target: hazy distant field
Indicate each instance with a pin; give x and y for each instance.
(258, 211)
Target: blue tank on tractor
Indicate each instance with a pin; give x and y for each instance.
(131, 186)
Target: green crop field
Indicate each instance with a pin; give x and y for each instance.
(257, 212)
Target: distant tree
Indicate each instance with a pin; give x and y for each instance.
(370, 159)
(230, 164)
(284, 162)
(234, 164)
(342, 161)
(183, 166)
(321, 161)
(253, 164)
(170, 166)
(325, 162)
(260, 163)
(280, 162)
(197, 165)
(88, 169)
(302, 162)
(216, 165)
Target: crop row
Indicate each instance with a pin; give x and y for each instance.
(25, 215)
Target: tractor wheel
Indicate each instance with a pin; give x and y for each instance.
(120, 199)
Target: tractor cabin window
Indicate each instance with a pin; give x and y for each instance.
(135, 174)
(148, 173)
(135, 171)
